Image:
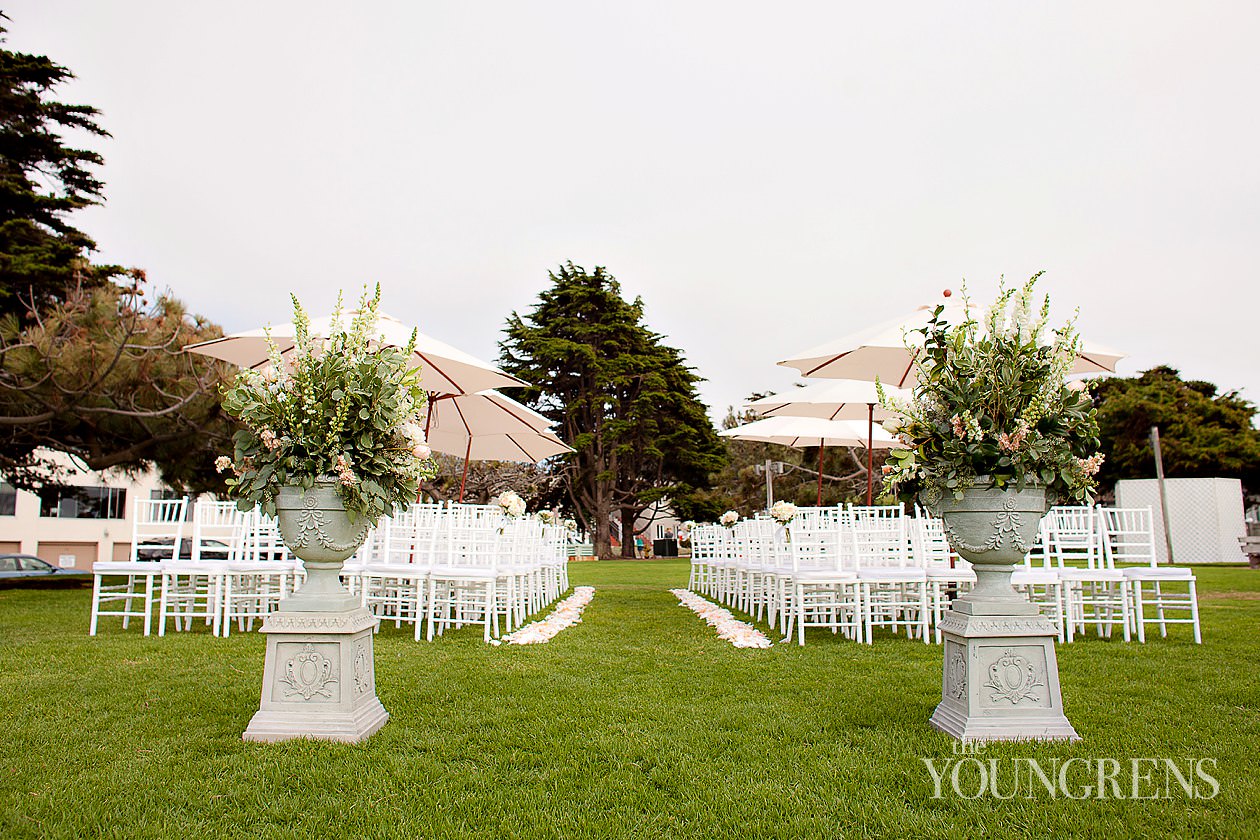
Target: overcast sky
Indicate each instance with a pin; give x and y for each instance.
(767, 176)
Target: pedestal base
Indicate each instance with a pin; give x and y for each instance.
(319, 679)
(1001, 680)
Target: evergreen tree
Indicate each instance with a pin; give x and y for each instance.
(86, 366)
(1203, 434)
(102, 376)
(626, 402)
(42, 180)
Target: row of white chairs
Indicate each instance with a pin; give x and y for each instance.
(1098, 565)
(446, 566)
(855, 569)
(233, 568)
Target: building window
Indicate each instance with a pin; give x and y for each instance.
(8, 499)
(83, 502)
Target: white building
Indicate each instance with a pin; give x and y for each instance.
(75, 530)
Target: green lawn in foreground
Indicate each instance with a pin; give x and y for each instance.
(638, 722)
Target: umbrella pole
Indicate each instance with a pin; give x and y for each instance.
(820, 471)
(870, 456)
(463, 482)
(428, 418)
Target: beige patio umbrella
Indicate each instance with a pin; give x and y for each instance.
(799, 432)
(881, 351)
(835, 399)
(443, 369)
(489, 427)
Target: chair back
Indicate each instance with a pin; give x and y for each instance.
(878, 536)
(1128, 535)
(157, 528)
(816, 546)
(928, 546)
(1073, 536)
(219, 521)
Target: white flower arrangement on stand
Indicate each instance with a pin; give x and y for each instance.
(783, 512)
(511, 503)
(728, 519)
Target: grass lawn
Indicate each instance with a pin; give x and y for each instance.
(638, 722)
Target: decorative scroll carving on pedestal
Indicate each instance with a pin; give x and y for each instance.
(362, 669)
(1012, 677)
(308, 673)
(956, 675)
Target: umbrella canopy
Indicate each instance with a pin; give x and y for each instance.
(881, 350)
(831, 399)
(485, 413)
(444, 369)
(525, 445)
(489, 427)
(799, 432)
(810, 431)
(835, 399)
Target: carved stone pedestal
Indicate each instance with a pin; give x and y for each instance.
(1001, 679)
(319, 679)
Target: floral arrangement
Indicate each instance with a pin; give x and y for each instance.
(548, 517)
(783, 512)
(728, 519)
(511, 503)
(991, 403)
(338, 409)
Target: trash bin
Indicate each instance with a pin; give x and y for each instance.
(665, 548)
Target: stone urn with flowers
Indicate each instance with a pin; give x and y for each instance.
(330, 442)
(994, 435)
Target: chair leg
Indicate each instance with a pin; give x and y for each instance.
(96, 603)
(800, 614)
(429, 612)
(163, 605)
(1125, 615)
(1194, 614)
(1139, 611)
(492, 612)
(1159, 603)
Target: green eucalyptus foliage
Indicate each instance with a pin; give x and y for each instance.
(992, 403)
(338, 409)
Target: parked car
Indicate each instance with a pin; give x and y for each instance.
(27, 570)
(210, 550)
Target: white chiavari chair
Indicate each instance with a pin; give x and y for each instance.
(823, 581)
(894, 591)
(1094, 590)
(259, 573)
(947, 574)
(462, 585)
(1128, 537)
(157, 532)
